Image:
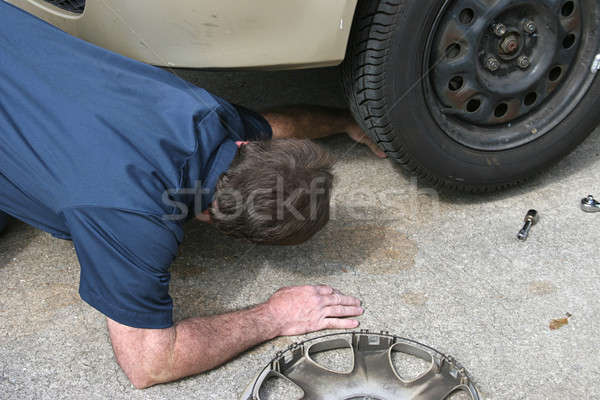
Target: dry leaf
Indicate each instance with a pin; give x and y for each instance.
(558, 323)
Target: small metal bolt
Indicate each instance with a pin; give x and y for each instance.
(589, 204)
(523, 62)
(530, 219)
(528, 25)
(492, 64)
(498, 29)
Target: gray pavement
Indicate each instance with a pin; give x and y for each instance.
(444, 269)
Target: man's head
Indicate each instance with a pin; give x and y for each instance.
(276, 192)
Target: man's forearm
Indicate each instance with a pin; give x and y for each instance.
(205, 343)
(192, 346)
(313, 122)
(307, 121)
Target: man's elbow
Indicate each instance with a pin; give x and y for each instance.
(144, 355)
(144, 372)
(143, 378)
(141, 383)
(140, 378)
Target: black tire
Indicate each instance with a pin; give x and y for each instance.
(399, 80)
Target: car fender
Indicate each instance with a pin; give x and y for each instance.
(261, 34)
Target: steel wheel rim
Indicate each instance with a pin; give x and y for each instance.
(531, 84)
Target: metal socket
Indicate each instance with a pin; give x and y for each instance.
(531, 218)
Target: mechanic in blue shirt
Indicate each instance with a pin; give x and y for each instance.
(116, 156)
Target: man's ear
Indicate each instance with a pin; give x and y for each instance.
(204, 216)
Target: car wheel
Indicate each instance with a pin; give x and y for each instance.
(475, 95)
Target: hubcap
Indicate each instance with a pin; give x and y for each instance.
(372, 374)
(491, 66)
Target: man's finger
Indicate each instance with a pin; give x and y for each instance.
(340, 299)
(360, 137)
(338, 323)
(324, 290)
(344, 311)
(378, 152)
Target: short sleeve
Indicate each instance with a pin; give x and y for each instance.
(255, 126)
(125, 259)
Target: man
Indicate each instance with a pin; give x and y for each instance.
(116, 156)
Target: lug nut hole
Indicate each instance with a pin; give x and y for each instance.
(500, 110)
(455, 83)
(555, 74)
(530, 99)
(473, 105)
(452, 51)
(567, 9)
(466, 16)
(569, 41)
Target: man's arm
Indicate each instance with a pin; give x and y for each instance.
(313, 122)
(195, 345)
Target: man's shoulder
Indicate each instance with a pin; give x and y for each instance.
(122, 224)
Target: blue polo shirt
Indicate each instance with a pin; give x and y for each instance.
(112, 154)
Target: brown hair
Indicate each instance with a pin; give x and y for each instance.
(276, 192)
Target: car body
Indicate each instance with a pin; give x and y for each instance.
(469, 95)
(266, 34)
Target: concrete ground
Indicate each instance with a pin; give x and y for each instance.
(443, 269)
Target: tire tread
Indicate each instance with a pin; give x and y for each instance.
(363, 74)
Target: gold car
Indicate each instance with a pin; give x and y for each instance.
(468, 94)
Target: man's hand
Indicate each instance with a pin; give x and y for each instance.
(357, 134)
(151, 356)
(306, 309)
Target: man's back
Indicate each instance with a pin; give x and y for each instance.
(83, 126)
(104, 150)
